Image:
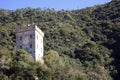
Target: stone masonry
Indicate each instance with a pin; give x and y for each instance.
(30, 38)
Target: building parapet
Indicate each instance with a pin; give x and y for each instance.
(29, 28)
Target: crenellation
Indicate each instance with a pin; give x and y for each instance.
(30, 27)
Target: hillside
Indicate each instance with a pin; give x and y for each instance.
(79, 44)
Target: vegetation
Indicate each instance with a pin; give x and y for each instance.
(79, 44)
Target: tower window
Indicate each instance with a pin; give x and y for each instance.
(30, 45)
(41, 49)
(30, 36)
(20, 37)
(41, 40)
(37, 36)
(20, 47)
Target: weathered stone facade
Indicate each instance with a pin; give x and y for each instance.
(30, 38)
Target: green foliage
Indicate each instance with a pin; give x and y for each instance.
(51, 57)
(24, 56)
(3, 77)
(62, 65)
(79, 44)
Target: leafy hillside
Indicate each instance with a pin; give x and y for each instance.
(79, 44)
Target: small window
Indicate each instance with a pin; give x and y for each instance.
(37, 36)
(41, 40)
(30, 36)
(41, 49)
(20, 47)
(20, 37)
(30, 45)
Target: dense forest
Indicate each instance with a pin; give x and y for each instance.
(79, 44)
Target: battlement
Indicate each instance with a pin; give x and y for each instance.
(30, 28)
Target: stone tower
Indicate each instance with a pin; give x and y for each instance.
(30, 38)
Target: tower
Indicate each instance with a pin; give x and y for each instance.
(30, 38)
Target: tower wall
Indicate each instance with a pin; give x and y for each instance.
(39, 44)
(30, 38)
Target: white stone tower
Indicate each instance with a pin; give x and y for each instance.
(30, 38)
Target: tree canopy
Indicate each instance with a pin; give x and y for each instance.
(79, 44)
